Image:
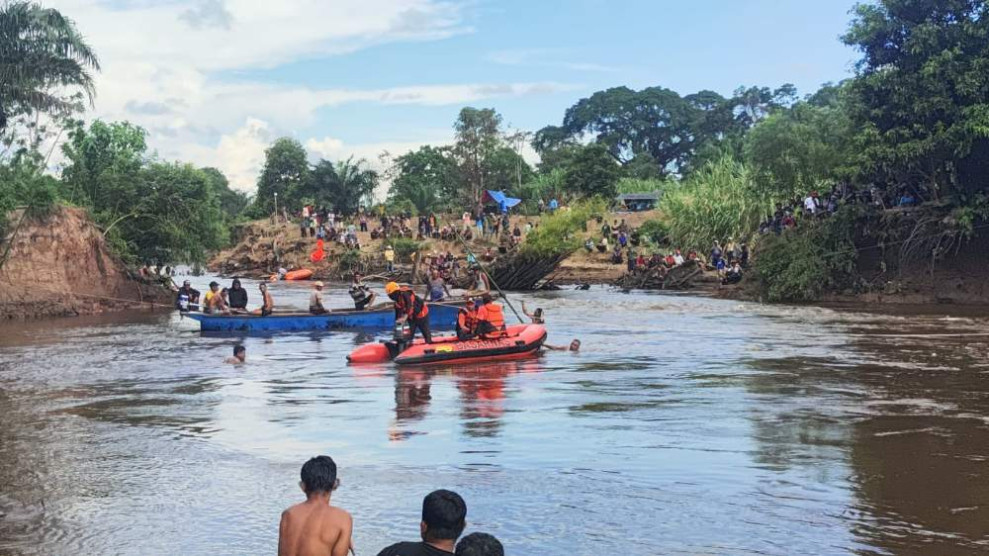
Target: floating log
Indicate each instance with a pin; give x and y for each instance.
(661, 278)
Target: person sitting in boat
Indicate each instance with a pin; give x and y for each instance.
(490, 319)
(213, 300)
(436, 290)
(362, 295)
(238, 296)
(574, 346)
(536, 317)
(410, 309)
(187, 297)
(316, 300)
(267, 303)
(467, 321)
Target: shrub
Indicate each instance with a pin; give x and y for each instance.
(559, 233)
(802, 264)
(655, 231)
(404, 247)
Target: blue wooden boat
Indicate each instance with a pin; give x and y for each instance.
(441, 316)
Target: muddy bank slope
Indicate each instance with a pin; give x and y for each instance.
(59, 265)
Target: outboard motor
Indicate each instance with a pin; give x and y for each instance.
(402, 335)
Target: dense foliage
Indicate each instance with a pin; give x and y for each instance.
(288, 179)
(44, 62)
(801, 266)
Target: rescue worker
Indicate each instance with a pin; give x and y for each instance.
(410, 308)
(490, 319)
(467, 321)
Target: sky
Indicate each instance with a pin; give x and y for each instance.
(216, 81)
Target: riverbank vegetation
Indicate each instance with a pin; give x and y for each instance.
(909, 131)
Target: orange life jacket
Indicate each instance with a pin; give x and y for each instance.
(410, 305)
(492, 314)
(467, 320)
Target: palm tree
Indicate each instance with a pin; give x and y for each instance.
(356, 183)
(41, 54)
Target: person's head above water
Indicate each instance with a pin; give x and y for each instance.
(479, 544)
(319, 475)
(444, 516)
(575, 345)
(240, 352)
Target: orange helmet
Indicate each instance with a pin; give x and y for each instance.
(391, 287)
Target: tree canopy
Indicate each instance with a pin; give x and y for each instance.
(43, 61)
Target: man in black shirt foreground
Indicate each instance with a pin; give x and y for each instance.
(444, 516)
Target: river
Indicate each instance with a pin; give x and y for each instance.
(686, 425)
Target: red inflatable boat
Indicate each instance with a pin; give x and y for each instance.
(521, 341)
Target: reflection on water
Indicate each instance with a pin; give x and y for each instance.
(685, 426)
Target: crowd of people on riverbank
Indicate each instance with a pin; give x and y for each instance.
(815, 206)
(316, 526)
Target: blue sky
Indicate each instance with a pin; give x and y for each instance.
(214, 81)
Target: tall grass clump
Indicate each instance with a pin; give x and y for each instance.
(561, 232)
(717, 202)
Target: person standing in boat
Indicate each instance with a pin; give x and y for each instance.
(362, 295)
(490, 319)
(267, 303)
(436, 290)
(187, 297)
(316, 300)
(238, 296)
(410, 309)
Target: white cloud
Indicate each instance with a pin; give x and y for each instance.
(546, 58)
(166, 65)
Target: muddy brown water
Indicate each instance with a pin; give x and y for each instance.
(685, 426)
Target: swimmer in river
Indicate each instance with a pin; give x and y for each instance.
(240, 356)
(574, 346)
(536, 317)
(314, 527)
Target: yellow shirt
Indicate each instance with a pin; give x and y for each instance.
(389, 255)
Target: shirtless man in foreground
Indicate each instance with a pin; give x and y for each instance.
(314, 527)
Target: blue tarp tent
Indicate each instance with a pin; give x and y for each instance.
(499, 198)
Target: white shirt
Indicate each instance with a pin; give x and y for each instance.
(810, 205)
(678, 259)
